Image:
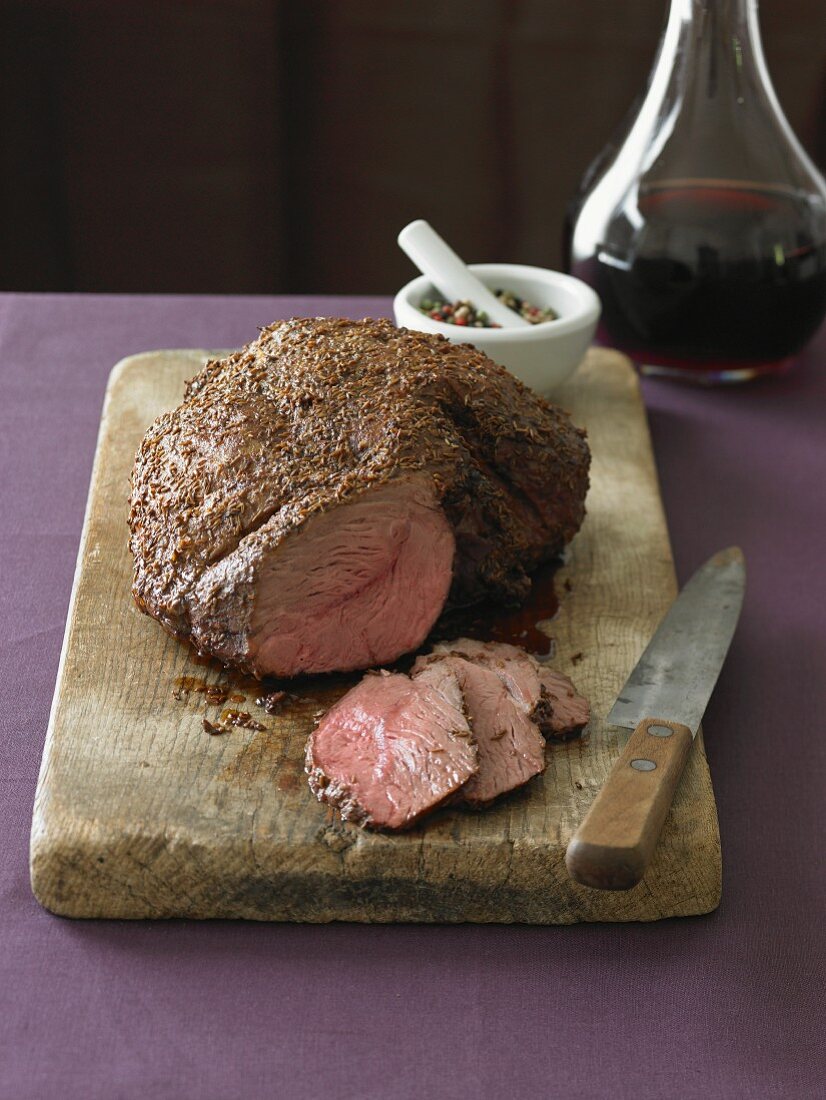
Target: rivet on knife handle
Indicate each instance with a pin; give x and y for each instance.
(613, 846)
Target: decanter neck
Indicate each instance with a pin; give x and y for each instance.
(711, 109)
(715, 50)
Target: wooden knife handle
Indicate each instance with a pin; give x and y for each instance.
(613, 846)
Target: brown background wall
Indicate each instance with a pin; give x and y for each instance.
(258, 145)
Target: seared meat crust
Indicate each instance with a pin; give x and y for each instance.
(311, 416)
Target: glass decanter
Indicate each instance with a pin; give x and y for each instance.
(704, 233)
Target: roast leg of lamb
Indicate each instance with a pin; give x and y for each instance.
(320, 497)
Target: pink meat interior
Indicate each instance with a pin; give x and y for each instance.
(356, 586)
(510, 748)
(394, 748)
(546, 696)
(517, 670)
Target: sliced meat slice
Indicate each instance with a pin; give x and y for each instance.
(514, 667)
(441, 676)
(510, 747)
(549, 697)
(562, 711)
(391, 750)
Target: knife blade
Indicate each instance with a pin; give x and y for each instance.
(663, 702)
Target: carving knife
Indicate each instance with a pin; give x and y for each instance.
(663, 702)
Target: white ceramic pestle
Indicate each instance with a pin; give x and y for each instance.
(450, 276)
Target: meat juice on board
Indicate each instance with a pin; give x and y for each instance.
(519, 626)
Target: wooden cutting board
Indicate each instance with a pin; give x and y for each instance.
(142, 813)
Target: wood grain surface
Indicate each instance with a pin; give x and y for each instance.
(140, 812)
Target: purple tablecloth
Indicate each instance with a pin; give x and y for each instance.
(729, 1005)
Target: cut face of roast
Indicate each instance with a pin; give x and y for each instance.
(548, 697)
(321, 496)
(510, 748)
(391, 750)
(354, 586)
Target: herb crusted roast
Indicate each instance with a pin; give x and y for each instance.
(321, 496)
